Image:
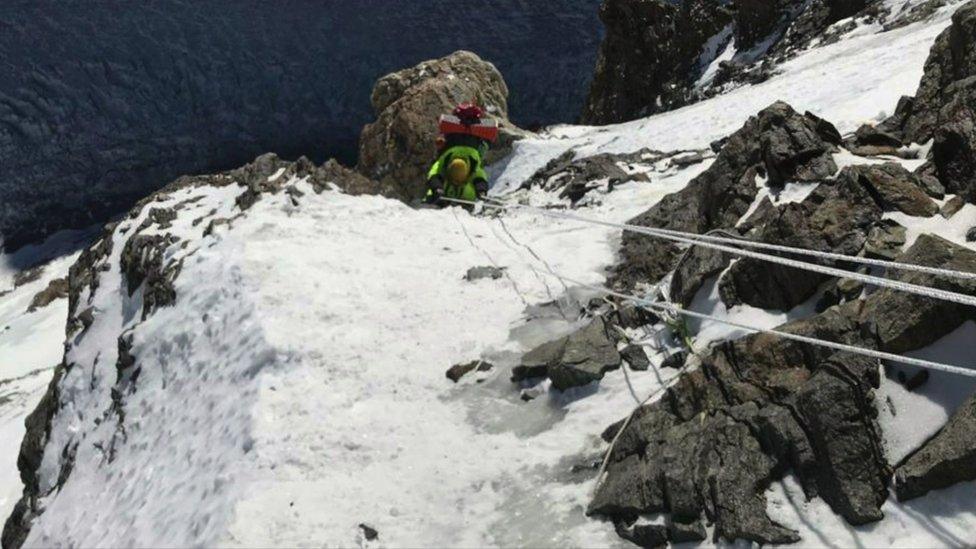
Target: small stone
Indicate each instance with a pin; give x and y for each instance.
(914, 382)
(675, 360)
(950, 208)
(636, 358)
(971, 235)
(369, 532)
(530, 394)
(478, 273)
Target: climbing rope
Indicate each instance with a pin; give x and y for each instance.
(916, 289)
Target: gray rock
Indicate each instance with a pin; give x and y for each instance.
(952, 207)
(369, 532)
(574, 360)
(885, 240)
(56, 289)
(971, 235)
(635, 357)
(588, 354)
(478, 273)
(946, 459)
(899, 321)
(398, 148)
(894, 188)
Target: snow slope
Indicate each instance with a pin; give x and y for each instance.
(296, 389)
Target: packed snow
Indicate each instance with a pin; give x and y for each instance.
(297, 388)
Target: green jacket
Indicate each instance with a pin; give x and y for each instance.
(467, 190)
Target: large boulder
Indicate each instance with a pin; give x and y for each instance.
(778, 142)
(954, 149)
(894, 188)
(398, 148)
(944, 460)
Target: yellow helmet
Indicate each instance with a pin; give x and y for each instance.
(458, 171)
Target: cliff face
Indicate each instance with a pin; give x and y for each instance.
(101, 103)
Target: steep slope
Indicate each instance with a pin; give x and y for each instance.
(92, 121)
(257, 358)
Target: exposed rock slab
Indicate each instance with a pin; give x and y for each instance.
(574, 360)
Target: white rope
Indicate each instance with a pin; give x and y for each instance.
(928, 364)
(741, 241)
(916, 289)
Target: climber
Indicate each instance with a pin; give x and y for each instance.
(459, 170)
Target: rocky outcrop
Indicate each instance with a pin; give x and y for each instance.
(398, 148)
(949, 457)
(779, 143)
(762, 405)
(146, 248)
(648, 57)
(572, 361)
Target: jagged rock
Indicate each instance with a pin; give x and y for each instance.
(885, 240)
(456, 372)
(915, 13)
(954, 149)
(56, 289)
(398, 148)
(635, 357)
(947, 458)
(478, 273)
(646, 61)
(696, 266)
(952, 206)
(900, 321)
(816, 19)
(574, 360)
(778, 141)
(873, 136)
(929, 180)
(577, 177)
(894, 187)
(833, 218)
(27, 276)
(971, 235)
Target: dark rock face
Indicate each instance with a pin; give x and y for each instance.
(778, 141)
(763, 404)
(635, 357)
(577, 177)
(695, 267)
(99, 120)
(946, 459)
(572, 361)
(647, 59)
(954, 150)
